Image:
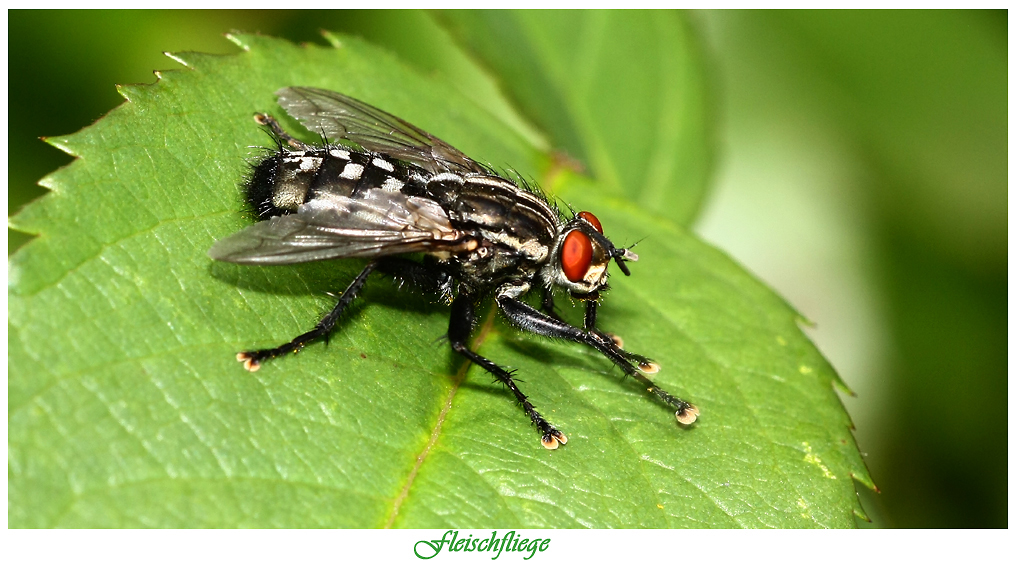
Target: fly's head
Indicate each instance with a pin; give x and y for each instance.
(580, 257)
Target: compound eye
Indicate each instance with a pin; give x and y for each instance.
(592, 220)
(576, 255)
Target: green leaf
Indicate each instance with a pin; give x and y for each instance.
(127, 408)
(624, 92)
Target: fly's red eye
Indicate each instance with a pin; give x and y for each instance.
(592, 220)
(576, 255)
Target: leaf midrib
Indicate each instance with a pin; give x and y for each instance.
(435, 434)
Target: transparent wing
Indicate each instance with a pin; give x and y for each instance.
(342, 117)
(377, 224)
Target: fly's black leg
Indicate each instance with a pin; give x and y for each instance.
(270, 122)
(548, 304)
(590, 320)
(590, 324)
(252, 360)
(528, 318)
(459, 328)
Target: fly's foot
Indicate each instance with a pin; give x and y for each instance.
(552, 438)
(252, 360)
(644, 364)
(687, 415)
(649, 368)
(249, 361)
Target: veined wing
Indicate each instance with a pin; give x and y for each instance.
(342, 117)
(375, 224)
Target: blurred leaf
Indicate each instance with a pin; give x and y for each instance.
(928, 94)
(927, 91)
(622, 91)
(126, 407)
(913, 105)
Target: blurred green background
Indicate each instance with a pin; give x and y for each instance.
(862, 173)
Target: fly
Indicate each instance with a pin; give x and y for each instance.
(405, 191)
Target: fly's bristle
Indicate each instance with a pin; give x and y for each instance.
(687, 415)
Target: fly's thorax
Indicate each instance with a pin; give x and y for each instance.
(508, 218)
(286, 179)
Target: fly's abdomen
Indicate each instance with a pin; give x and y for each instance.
(285, 180)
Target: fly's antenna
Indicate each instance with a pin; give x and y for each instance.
(625, 254)
(622, 255)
